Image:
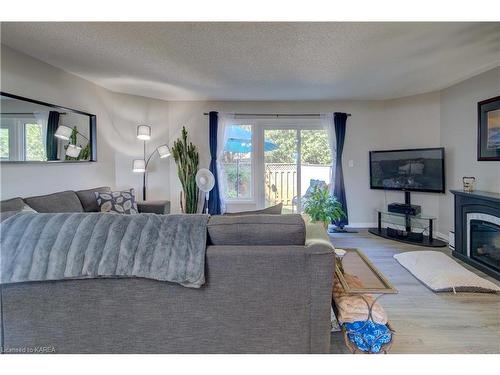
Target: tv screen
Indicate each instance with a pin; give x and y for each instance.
(410, 170)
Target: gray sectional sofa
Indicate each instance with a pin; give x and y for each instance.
(75, 201)
(268, 290)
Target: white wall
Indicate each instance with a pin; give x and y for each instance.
(117, 117)
(459, 137)
(408, 122)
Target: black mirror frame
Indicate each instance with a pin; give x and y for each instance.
(92, 131)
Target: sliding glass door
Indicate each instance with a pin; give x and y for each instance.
(280, 167)
(296, 159)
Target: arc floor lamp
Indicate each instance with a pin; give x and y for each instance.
(65, 132)
(141, 165)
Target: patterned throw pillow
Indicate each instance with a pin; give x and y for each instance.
(122, 202)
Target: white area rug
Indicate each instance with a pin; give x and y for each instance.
(441, 273)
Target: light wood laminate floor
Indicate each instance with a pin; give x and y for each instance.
(427, 322)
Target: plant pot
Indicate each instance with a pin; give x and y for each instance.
(324, 223)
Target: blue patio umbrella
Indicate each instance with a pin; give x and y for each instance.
(240, 140)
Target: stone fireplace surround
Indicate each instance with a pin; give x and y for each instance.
(478, 205)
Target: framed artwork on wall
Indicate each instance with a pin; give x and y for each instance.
(488, 131)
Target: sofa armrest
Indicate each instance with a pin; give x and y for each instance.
(154, 207)
(317, 234)
(321, 268)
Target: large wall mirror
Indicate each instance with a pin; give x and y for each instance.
(32, 131)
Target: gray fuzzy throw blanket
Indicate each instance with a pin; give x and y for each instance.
(38, 247)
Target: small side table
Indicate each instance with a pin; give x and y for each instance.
(154, 207)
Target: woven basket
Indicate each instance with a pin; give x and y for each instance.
(384, 349)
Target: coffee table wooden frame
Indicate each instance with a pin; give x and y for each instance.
(388, 287)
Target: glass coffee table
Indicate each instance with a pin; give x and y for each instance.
(369, 283)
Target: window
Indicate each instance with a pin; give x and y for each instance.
(237, 162)
(4, 143)
(34, 145)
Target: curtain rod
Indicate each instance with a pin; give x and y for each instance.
(278, 114)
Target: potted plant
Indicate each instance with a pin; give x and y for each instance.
(187, 159)
(323, 207)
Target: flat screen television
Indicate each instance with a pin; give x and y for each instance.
(408, 170)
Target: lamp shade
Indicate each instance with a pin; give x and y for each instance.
(144, 132)
(163, 151)
(139, 166)
(63, 132)
(73, 151)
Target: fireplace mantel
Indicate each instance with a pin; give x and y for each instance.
(467, 205)
(483, 195)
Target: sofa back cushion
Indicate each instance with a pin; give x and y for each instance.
(14, 204)
(273, 210)
(88, 198)
(255, 230)
(64, 201)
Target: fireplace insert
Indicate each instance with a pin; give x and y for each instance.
(485, 243)
(477, 230)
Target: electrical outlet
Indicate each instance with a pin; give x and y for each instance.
(351, 163)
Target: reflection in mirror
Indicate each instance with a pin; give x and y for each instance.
(34, 132)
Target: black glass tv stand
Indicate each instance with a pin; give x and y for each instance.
(411, 229)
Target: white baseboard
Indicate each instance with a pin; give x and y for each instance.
(441, 236)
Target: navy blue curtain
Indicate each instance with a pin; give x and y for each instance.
(339, 120)
(51, 141)
(214, 206)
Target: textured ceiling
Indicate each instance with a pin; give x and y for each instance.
(263, 61)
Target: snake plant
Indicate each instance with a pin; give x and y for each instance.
(187, 159)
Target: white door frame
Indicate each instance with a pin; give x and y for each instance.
(277, 124)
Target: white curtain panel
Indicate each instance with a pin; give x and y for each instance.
(224, 121)
(328, 125)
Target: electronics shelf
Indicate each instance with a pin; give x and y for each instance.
(414, 228)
